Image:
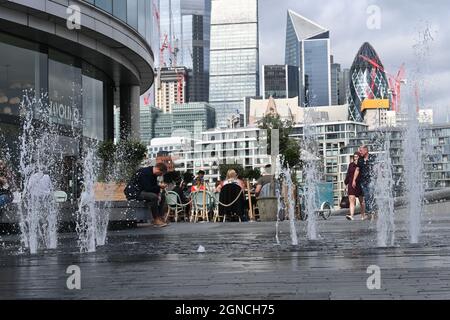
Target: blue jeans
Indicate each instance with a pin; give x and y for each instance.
(369, 200)
(5, 199)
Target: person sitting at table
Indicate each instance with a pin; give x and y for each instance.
(198, 185)
(228, 196)
(266, 178)
(232, 177)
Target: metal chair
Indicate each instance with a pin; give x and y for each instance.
(202, 204)
(174, 205)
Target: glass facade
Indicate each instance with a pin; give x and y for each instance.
(317, 68)
(308, 47)
(335, 71)
(280, 81)
(234, 65)
(185, 36)
(184, 116)
(76, 93)
(138, 14)
(366, 81)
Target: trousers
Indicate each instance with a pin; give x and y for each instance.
(155, 204)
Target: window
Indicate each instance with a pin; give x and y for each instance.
(132, 13)
(93, 108)
(120, 10)
(22, 67)
(105, 5)
(64, 81)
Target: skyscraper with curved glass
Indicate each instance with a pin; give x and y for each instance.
(367, 80)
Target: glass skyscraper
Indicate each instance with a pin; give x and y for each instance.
(185, 38)
(234, 68)
(308, 47)
(279, 81)
(367, 81)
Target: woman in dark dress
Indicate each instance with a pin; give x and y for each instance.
(354, 193)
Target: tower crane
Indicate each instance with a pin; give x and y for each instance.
(394, 81)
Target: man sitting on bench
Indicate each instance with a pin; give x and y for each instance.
(144, 186)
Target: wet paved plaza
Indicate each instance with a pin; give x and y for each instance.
(241, 261)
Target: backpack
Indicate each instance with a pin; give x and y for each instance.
(133, 189)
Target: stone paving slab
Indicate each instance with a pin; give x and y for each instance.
(242, 261)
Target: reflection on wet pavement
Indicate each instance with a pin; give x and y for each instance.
(240, 261)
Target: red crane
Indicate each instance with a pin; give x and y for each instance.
(394, 81)
(180, 81)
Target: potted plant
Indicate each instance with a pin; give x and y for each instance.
(118, 163)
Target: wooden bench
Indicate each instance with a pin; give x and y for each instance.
(121, 209)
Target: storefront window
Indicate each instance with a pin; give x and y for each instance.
(93, 108)
(64, 82)
(22, 67)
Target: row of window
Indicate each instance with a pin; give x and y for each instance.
(136, 13)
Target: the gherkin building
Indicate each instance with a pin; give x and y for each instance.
(367, 80)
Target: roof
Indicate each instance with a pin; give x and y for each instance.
(305, 28)
(367, 51)
(289, 109)
(167, 141)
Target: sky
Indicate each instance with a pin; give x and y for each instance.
(414, 32)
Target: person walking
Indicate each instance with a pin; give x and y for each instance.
(144, 186)
(364, 172)
(354, 192)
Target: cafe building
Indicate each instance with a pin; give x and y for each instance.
(83, 58)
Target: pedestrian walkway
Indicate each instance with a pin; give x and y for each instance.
(241, 261)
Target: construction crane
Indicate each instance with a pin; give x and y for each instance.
(180, 82)
(394, 81)
(164, 45)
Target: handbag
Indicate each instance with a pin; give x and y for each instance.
(345, 202)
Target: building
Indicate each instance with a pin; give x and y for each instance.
(435, 150)
(84, 66)
(280, 81)
(375, 139)
(188, 116)
(149, 127)
(171, 87)
(335, 72)
(308, 47)
(436, 145)
(425, 116)
(288, 110)
(169, 145)
(185, 40)
(343, 86)
(243, 146)
(331, 137)
(234, 67)
(367, 82)
(191, 117)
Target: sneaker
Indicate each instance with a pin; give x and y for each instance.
(160, 225)
(349, 217)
